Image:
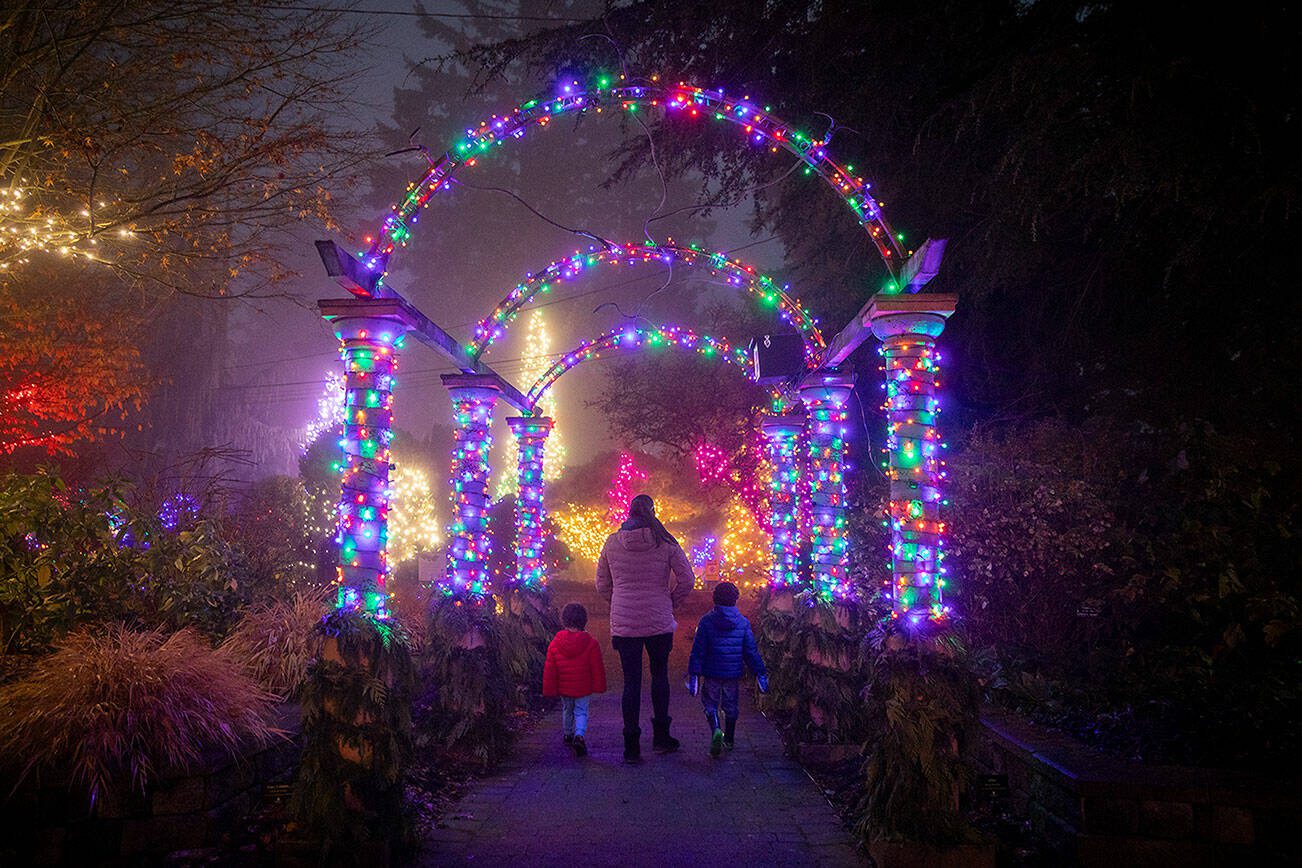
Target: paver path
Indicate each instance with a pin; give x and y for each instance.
(752, 806)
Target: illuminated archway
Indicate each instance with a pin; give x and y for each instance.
(734, 272)
(607, 92)
(635, 337)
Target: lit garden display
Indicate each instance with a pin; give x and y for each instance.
(530, 513)
(367, 346)
(825, 397)
(908, 329)
(798, 492)
(615, 93)
(732, 271)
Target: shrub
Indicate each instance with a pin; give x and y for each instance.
(1135, 585)
(120, 704)
(72, 557)
(275, 641)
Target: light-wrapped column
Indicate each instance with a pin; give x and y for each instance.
(370, 333)
(824, 396)
(530, 511)
(469, 548)
(908, 327)
(782, 434)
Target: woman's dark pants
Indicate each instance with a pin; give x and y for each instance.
(630, 658)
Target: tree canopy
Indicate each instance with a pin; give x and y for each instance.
(1116, 192)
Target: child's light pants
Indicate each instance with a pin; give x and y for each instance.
(716, 692)
(574, 715)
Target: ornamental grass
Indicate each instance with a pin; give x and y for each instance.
(113, 705)
(275, 641)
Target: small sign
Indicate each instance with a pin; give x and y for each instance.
(993, 786)
(1089, 609)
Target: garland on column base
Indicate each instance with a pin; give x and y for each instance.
(815, 668)
(915, 774)
(474, 675)
(356, 738)
(530, 611)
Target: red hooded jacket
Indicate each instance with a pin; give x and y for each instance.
(573, 667)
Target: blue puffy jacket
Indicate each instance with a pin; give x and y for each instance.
(723, 641)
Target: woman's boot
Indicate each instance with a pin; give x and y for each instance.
(632, 746)
(662, 741)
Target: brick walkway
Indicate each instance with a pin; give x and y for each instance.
(752, 806)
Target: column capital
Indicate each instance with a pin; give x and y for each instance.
(826, 387)
(924, 314)
(350, 316)
(523, 426)
(782, 426)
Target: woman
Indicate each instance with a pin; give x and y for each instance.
(633, 572)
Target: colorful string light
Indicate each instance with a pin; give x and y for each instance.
(368, 348)
(635, 337)
(602, 92)
(914, 466)
(733, 272)
(473, 398)
(530, 512)
(783, 436)
(825, 396)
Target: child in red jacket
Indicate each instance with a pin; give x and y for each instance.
(574, 671)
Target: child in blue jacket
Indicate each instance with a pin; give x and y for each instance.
(724, 644)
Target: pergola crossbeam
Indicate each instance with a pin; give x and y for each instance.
(371, 298)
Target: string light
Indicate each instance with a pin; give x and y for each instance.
(825, 398)
(28, 226)
(604, 92)
(367, 347)
(530, 512)
(732, 271)
(634, 337)
(471, 544)
(783, 436)
(916, 474)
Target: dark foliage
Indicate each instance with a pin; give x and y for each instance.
(1117, 192)
(1136, 586)
(474, 676)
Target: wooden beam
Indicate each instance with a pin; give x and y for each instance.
(392, 304)
(921, 268)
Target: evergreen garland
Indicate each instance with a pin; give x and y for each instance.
(356, 738)
(923, 704)
(816, 673)
(475, 673)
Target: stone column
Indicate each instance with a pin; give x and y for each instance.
(530, 511)
(907, 326)
(782, 433)
(370, 333)
(473, 397)
(824, 395)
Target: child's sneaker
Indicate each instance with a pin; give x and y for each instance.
(580, 746)
(568, 740)
(716, 743)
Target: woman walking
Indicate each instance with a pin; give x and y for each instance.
(634, 572)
